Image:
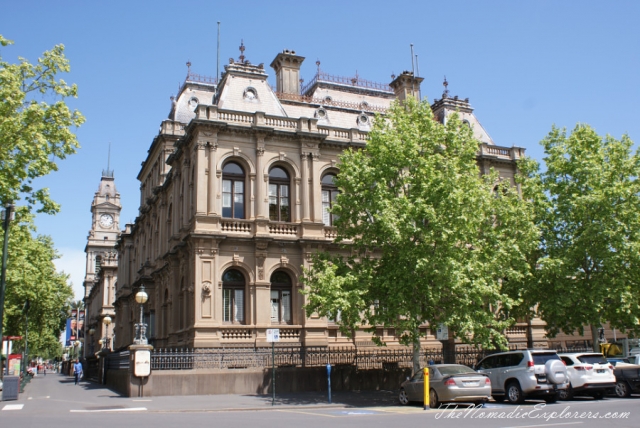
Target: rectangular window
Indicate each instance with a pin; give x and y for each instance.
(238, 306)
(226, 198)
(273, 201)
(233, 305)
(275, 306)
(326, 204)
(286, 306)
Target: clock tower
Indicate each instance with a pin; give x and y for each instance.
(102, 263)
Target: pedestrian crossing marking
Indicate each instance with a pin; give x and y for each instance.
(13, 407)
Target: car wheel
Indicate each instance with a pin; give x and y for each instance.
(565, 394)
(433, 399)
(622, 389)
(598, 395)
(514, 393)
(550, 399)
(402, 397)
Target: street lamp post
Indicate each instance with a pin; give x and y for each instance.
(7, 217)
(141, 298)
(91, 333)
(106, 321)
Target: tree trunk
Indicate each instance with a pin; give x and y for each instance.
(529, 333)
(595, 338)
(416, 353)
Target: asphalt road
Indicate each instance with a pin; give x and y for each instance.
(55, 401)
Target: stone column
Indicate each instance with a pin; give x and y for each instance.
(304, 195)
(316, 188)
(260, 192)
(211, 182)
(201, 185)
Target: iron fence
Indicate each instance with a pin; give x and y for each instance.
(117, 360)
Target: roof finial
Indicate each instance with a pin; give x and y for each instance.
(242, 51)
(188, 68)
(445, 94)
(318, 65)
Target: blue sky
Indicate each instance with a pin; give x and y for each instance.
(525, 65)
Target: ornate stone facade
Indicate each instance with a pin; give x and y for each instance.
(233, 202)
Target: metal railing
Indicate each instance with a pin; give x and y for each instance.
(304, 356)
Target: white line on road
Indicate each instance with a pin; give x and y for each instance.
(13, 407)
(129, 409)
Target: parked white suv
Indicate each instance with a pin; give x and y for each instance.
(589, 372)
(525, 373)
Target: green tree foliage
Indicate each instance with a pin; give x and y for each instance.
(427, 238)
(31, 275)
(34, 132)
(588, 210)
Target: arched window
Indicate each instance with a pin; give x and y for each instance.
(98, 264)
(279, 209)
(280, 298)
(233, 285)
(329, 194)
(232, 191)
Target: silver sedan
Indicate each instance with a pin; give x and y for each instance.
(447, 383)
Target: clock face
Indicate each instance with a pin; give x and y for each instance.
(106, 220)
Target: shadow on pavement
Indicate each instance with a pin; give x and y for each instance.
(346, 398)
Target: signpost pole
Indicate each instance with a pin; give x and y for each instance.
(329, 380)
(273, 336)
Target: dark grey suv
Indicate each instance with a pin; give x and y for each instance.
(525, 373)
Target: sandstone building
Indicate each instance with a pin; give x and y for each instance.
(234, 195)
(102, 264)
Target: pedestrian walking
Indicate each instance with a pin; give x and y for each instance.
(77, 371)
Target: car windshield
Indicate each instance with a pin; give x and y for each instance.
(453, 370)
(593, 359)
(542, 358)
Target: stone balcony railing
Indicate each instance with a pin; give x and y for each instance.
(505, 153)
(260, 119)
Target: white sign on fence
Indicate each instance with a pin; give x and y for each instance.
(273, 335)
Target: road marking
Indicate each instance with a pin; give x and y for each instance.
(308, 413)
(128, 409)
(13, 407)
(141, 400)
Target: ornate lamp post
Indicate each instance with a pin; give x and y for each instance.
(91, 333)
(105, 343)
(141, 298)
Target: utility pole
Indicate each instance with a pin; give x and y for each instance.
(3, 274)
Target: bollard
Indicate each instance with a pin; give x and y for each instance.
(425, 380)
(329, 380)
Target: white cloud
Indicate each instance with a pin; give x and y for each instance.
(73, 262)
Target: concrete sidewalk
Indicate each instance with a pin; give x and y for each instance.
(58, 393)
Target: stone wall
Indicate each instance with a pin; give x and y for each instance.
(256, 381)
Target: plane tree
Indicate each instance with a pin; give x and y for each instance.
(587, 199)
(425, 237)
(35, 125)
